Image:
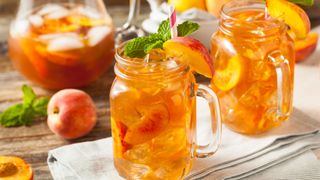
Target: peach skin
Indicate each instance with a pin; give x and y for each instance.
(191, 52)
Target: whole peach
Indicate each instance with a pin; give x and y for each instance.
(71, 113)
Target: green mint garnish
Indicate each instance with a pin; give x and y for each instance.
(140, 47)
(303, 2)
(24, 113)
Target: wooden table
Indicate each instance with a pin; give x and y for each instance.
(33, 143)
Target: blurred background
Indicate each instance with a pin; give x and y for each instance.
(116, 8)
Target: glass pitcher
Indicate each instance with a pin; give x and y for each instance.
(254, 62)
(62, 43)
(153, 118)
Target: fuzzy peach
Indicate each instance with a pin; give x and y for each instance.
(71, 114)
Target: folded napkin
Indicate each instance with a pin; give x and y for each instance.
(208, 23)
(239, 156)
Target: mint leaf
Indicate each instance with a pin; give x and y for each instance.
(141, 46)
(187, 28)
(164, 30)
(40, 106)
(10, 117)
(28, 95)
(135, 47)
(24, 113)
(26, 117)
(303, 2)
(154, 45)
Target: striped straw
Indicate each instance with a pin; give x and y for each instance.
(173, 22)
(266, 14)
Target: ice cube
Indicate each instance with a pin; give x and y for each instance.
(256, 94)
(58, 14)
(21, 27)
(132, 170)
(165, 145)
(50, 8)
(260, 70)
(36, 20)
(65, 43)
(89, 12)
(139, 154)
(96, 34)
(49, 37)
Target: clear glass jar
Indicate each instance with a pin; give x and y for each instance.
(254, 67)
(153, 118)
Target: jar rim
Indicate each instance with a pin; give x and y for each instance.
(237, 6)
(123, 64)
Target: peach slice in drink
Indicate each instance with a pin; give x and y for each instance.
(293, 15)
(154, 119)
(191, 52)
(228, 77)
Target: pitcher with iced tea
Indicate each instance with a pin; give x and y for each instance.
(62, 44)
(254, 62)
(153, 118)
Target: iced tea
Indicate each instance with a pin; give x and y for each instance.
(254, 63)
(60, 46)
(152, 104)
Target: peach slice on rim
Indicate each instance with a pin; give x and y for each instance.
(191, 52)
(293, 15)
(304, 48)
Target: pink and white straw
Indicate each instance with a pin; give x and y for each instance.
(173, 22)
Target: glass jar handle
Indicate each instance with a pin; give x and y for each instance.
(284, 82)
(215, 121)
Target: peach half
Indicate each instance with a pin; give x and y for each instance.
(12, 168)
(293, 15)
(191, 52)
(304, 48)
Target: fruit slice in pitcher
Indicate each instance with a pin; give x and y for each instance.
(292, 14)
(154, 119)
(191, 52)
(228, 77)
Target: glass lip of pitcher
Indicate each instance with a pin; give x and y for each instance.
(275, 24)
(129, 69)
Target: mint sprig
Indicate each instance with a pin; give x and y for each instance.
(24, 113)
(140, 47)
(303, 2)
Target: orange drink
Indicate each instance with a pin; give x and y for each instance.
(61, 46)
(152, 104)
(254, 62)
